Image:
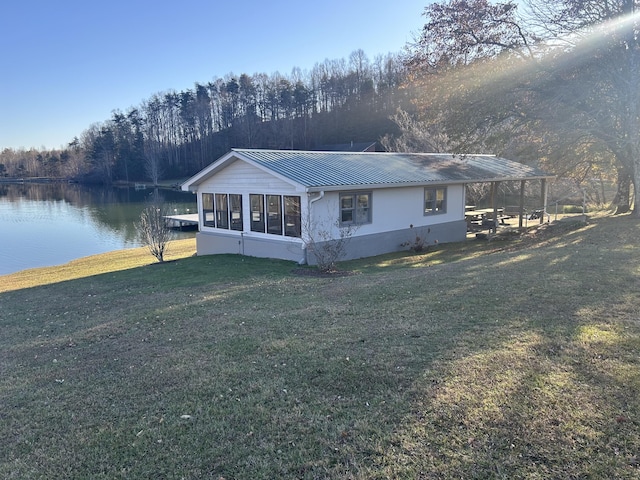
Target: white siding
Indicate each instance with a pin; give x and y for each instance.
(241, 177)
(392, 209)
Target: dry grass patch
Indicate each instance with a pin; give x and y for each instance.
(94, 265)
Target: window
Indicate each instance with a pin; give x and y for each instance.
(355, 208)
(222, 211)
(435, 200)
(257, 213)
(207, 210)
(292, 217)
(235, 211)
(274, 214)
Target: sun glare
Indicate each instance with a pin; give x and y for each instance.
(491, 75)
(619, 27)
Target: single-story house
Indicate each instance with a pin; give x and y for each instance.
(276, 203)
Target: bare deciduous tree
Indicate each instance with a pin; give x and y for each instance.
(153, 228)
(562, 76)
(152, 165)
(327, 249)
(416, 135)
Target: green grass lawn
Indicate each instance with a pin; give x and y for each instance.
(505, 359)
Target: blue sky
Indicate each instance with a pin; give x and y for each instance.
(69, 63)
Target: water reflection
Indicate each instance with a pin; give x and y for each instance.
(50, 224)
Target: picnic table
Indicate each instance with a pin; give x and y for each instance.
(483, 218)
(484, 214)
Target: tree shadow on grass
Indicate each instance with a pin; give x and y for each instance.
(544, 384)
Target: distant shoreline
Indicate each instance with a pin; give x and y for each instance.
(174, 184)
(16, 180)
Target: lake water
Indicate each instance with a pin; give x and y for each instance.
(51, 224)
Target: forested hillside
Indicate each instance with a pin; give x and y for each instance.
(174, 134)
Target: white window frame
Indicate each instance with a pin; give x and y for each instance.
(436, 206)
(358, 215)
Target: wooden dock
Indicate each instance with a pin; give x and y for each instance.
(187, 221)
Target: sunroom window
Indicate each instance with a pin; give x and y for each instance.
(235, 211)
(221, 210)
(257, 213)
(276, 214)
(207, 210)
(292, 218)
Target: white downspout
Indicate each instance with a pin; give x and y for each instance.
(314, 200)
(303, 261)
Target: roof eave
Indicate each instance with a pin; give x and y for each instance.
(375, 186)
(512, 179)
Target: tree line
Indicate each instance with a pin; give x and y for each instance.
(174, 134)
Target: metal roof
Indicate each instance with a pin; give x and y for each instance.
(316, 170)
(351, 147)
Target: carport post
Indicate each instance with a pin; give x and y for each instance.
(543, 183)
(494, 205)
(521, 209)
